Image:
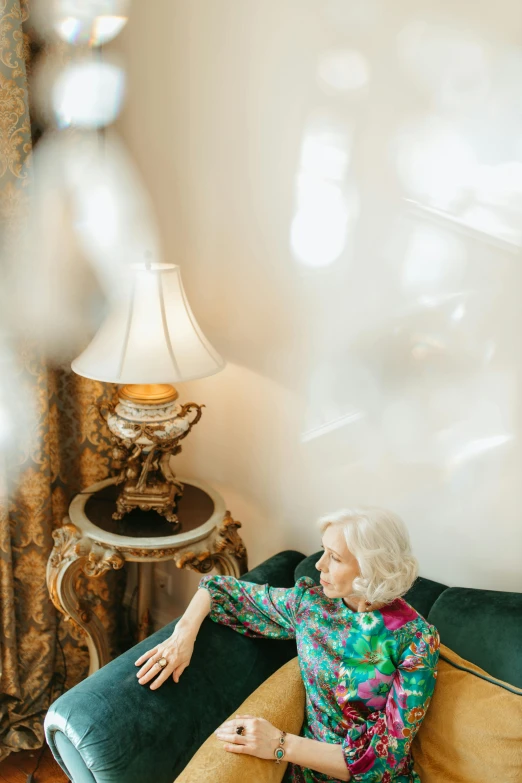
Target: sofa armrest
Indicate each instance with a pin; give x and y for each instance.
(126, 733)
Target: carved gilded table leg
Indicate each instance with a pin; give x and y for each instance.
(230, 553)
(72, 553)
(224, 551)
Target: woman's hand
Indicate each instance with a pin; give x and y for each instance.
(260, 738)
(177, 650)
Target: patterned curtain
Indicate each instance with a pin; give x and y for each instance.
(67, 451)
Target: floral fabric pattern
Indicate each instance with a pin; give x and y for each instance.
(369, 676)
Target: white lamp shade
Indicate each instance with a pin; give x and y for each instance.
(151, 336)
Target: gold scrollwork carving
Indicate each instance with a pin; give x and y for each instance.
(73, 553)
(100, 559)
(197, 561)
(231, 541)
(65, 540)
(152, 553)
(70, 544)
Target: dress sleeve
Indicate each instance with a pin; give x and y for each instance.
(255, 610)
(377, 749)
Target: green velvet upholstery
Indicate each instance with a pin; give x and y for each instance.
(110, 729)
(307, 567)
(483, 626)
(72, 760)
(126, 733)
(422, 595)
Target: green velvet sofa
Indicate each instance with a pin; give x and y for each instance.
(110, 729)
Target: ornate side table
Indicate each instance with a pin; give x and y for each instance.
(91, 541)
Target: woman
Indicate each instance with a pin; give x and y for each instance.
(367, 658)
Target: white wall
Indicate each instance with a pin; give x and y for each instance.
(341, 183)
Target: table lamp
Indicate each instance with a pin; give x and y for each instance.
(148, 341)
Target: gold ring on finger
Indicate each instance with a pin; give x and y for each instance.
(162, 662)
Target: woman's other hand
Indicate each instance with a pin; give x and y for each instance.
(177, 651)
(260, 738)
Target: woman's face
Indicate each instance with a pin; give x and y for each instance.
(337, 565)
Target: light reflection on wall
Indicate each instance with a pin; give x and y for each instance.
(419, 383)
(376, 389)
(411, 397)
(326, 204)
(342, 70)
(434, 260)
(402, 324)
(463, 156)
(452, 64)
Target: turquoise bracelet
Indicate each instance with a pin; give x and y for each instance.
(279, 752)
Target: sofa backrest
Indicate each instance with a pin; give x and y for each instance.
(484, 627)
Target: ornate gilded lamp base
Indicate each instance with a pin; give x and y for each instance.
(147, 424)
(160, 497)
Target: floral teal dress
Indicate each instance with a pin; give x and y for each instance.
(369, 676)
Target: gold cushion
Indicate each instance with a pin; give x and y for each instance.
(472, 729)
(281, 700)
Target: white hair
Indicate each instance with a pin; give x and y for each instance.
(380, 542)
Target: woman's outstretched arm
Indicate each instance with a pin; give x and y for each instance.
(195, 613)
(253, 609)
(248, 608)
